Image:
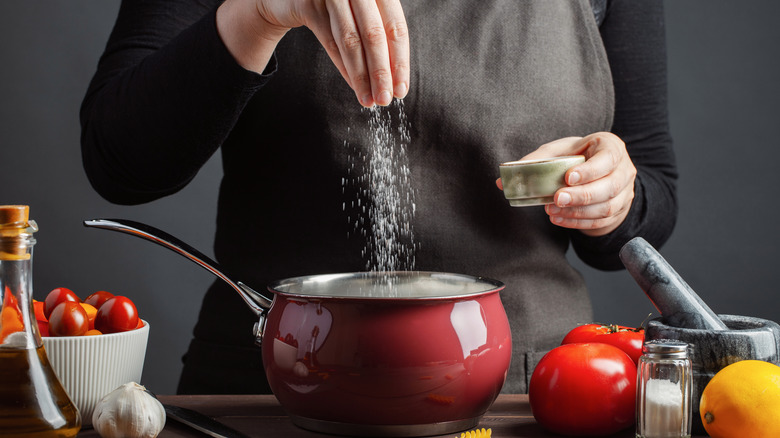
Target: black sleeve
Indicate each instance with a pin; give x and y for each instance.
(634, 36)
(165, 96)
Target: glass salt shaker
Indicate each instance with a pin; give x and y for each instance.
(664, 386)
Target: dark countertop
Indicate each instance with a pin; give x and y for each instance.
(262, 416)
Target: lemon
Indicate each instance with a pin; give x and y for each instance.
(742, 400)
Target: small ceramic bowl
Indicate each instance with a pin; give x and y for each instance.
(89, 367)
(534, 182)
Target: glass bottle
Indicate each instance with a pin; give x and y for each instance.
(664, 385)
(33, 403)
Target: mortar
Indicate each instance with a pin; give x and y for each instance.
(715, 340)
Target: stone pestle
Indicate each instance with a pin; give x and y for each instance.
(678, 304)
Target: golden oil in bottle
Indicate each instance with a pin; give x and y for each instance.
(32, 402)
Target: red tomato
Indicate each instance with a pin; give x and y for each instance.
(627, 339)
(584, 390)
(68, 319)
(98, 298)
(117, 314)
(56, 297)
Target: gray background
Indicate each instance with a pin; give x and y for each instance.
(724, 92)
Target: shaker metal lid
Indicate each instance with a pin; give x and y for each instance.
(666, 348)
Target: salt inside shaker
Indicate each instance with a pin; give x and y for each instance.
(664, 385)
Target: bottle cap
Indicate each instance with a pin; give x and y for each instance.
(14, 215)
(16, 230)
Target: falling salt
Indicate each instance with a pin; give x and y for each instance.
(385, 197)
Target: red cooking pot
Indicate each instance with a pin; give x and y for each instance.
(374, 353)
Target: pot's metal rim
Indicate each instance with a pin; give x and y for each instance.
(383, 286)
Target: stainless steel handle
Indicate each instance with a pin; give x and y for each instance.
(255, 300)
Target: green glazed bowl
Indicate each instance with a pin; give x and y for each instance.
(534, 182)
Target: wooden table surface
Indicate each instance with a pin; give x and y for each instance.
(262, 416)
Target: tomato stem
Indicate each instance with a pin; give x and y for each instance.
(642, 325)
(614, 328)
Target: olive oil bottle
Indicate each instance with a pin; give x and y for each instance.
(33, 403)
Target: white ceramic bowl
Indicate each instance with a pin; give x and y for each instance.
(89, 367)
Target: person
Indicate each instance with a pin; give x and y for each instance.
(280, 88)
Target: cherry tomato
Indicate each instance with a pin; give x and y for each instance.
(98, 298)
(43, 328)
(117, 314)
(57, 296)
(92, 332)
(627, 339)
(68, 319)
(38, 308)
(91, 314)
(9, 299)
(11, 320)
(584, 389)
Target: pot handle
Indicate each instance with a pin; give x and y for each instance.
(255, 300)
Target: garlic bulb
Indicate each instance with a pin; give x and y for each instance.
(129, 412)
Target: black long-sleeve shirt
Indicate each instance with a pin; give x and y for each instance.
(491, 81)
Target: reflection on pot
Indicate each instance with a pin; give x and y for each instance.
(469, 326)
(303, 328)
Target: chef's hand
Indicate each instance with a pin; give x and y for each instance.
(600, 190)
(366, 39)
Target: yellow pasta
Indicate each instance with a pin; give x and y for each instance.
(477, 433)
